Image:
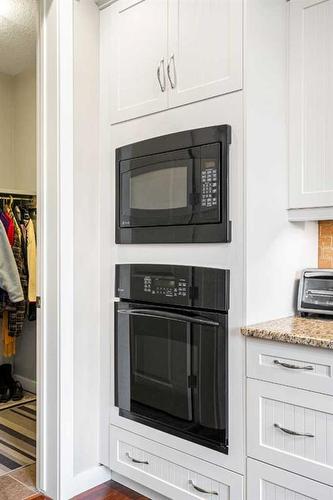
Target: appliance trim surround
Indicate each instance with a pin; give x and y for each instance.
(195, 231)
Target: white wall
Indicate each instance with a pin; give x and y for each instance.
(24, 147)
(18, 131)
(6, 130)
(275, 248)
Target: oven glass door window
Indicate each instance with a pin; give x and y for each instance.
(160, 366)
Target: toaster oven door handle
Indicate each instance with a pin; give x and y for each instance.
(326, 293)
(293, 367)
(318, 274)
(154, 313)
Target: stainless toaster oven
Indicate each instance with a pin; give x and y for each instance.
(315, 294)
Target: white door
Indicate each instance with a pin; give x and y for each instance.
(205, 49)
(138, 51)
(265, 482)
(311, 103)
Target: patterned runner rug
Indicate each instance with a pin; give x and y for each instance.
(17, 437)
(27, 398)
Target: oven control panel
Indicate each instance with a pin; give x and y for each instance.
(209, 182)
(169, 287)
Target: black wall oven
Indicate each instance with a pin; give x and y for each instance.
(171, 350)
(174, 189)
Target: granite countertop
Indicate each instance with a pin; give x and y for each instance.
(294, 330)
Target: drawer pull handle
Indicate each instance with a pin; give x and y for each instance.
(292, 433)
(136, 461)
(293, 367)
(202, 490)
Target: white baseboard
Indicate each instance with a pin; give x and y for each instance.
(89, 479)
(27, 383)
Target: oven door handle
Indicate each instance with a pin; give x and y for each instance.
(152, 313)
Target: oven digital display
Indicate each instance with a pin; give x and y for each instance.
(164, 282)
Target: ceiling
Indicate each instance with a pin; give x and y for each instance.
(17, 35)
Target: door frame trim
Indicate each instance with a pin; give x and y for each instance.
(55, 194)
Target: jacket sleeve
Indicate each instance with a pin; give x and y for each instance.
(9, 276)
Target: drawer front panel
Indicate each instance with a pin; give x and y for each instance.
(148, 463)
(299, 366)
(267, 483)
(291, 428)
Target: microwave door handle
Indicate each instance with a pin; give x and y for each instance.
(152, 313)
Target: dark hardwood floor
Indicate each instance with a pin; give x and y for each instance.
(107, 491)
(110, 491)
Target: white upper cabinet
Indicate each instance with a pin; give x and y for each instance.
(138, 51)
(166, 53)
(205, 49)
(311, 104)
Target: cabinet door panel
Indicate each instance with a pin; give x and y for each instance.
(138, 44)
(311, 103)
(291, 428)
(267, 483)
(205, 40)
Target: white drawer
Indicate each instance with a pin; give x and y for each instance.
(269, 483)
(300, 366)
(294, 410)
(169, 471)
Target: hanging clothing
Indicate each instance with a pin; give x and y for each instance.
(17, 316)
(10, 229)
(9, 343)
(31, 259)
(9, 274)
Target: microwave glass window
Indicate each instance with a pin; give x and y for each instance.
(159, 189)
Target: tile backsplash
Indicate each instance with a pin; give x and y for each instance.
(326, 244)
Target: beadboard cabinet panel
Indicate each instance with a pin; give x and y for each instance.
(138, 47)
(311, 104)
(270, 483)
(205, 49)
(291, 428)
(169, 471)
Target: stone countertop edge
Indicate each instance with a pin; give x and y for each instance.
(294, 330)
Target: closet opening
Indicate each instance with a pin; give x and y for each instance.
(19, 233)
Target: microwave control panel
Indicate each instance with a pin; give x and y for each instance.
(209, 182)
(169, 287)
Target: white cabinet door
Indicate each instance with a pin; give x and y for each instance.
(138, 48)
(205, 49)
(265, 482)
(291, 428)
(311, 103)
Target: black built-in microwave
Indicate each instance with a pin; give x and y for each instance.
(174, 188)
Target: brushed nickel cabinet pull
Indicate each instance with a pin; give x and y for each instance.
(162, 85)
(202, 490)
(136, 461)
(293, 367)
(172, 82)
(292, 433)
